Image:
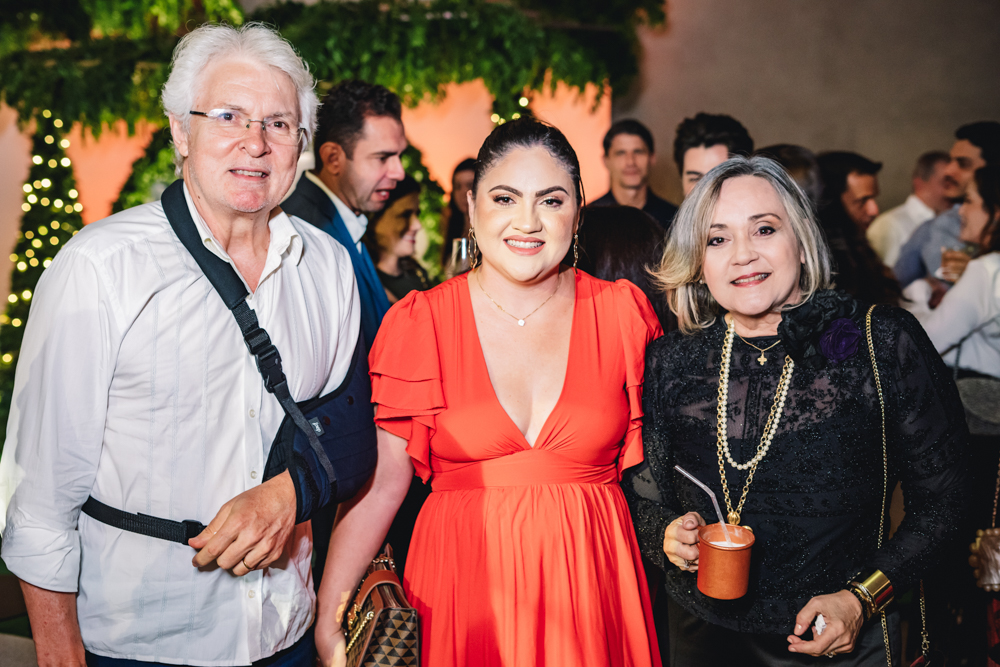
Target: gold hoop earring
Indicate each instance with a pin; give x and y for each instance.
(576, 249)
(473, 250)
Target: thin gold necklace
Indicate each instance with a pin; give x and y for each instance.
(722, 444)
(520, 320)
(761, 359)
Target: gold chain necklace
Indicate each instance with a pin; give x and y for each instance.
(761, 359)
(520, 320)
(769, 429)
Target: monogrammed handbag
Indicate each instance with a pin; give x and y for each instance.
(381, 627)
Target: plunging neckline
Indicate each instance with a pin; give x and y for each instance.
(482, 358)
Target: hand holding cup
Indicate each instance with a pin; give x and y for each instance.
(680, 541)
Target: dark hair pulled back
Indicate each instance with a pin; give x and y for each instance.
(528, 133)
(988, 186)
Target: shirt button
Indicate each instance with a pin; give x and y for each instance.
(253, 413)
(251, 594)
(253, 474)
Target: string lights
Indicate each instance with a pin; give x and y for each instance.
(51, 216)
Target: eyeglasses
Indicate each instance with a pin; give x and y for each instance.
(234, 124)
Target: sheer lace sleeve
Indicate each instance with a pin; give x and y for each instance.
(927, 435)
(652, 510)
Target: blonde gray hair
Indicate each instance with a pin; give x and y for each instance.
(254, 42)
(680, 271)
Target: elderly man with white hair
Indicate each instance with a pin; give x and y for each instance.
(134, 387)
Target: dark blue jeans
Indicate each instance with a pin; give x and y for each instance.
(300, 654)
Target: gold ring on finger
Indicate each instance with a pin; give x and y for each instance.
(244, 561)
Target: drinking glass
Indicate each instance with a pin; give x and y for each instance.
(460, 260)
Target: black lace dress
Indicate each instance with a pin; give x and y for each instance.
(816, 497)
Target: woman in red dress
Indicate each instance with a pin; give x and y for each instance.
(515, 389)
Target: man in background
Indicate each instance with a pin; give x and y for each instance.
(976, 145)
(705, 142)
(628, 155)
(359, 141)
(847, 207)
(929, 198)
(853, 180)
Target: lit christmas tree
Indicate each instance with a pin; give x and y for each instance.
(51, 217)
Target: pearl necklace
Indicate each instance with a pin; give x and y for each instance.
(769, 429)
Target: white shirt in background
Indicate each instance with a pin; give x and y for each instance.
(972, 302)
(356, 224)
(892, 229)
(134, 385)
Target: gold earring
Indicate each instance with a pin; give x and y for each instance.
(576, 249)
(473, 250)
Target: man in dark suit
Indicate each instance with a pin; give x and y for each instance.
(359, 139)
(358, 142)
(628, 155)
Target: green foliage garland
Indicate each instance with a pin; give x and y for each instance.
(416, 49)
(431, 209)
(151, 173)
(51, 217)
(115, 70)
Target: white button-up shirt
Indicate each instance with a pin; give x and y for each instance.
(134, 385)
(889, 231)
(356, 224)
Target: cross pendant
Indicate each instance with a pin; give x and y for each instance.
(761, 359)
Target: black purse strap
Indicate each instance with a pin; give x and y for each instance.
(234, 293)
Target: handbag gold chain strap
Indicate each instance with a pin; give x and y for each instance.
(925, 639)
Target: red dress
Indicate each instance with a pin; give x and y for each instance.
(521, 556)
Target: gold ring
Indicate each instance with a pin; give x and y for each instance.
(244, 561)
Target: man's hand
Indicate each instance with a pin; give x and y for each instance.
(54, 627)
(251, 530)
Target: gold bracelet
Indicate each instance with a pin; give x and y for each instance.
(877, 589)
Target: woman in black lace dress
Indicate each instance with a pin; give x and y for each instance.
(748, 274)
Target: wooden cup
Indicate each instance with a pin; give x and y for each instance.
(723, 571)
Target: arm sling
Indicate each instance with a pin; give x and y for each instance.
(327, 443)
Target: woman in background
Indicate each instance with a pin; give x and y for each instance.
(624, 243)
(455, 221)
(965, 329)
(391, 239)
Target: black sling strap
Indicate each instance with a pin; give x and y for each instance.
(230, 287)
(164, 529)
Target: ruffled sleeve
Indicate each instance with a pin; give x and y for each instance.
(406, 377)
(639, 327)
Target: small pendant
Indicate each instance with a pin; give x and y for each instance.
(733, 519)
(761, 359)
(520, 323)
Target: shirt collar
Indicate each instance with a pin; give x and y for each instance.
(283, 238)
(918, 209)
(356, 224)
